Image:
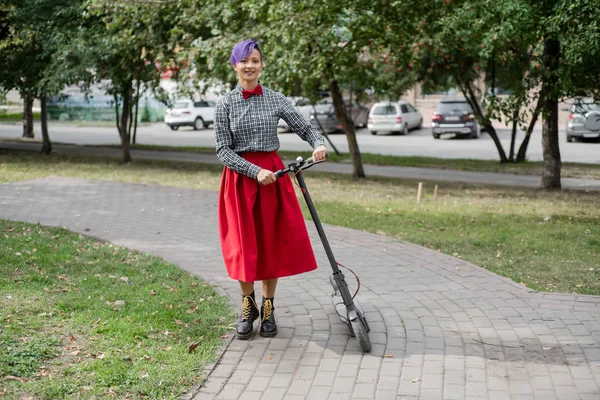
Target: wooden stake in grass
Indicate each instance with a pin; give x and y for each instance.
(419, 192)
(435, 192)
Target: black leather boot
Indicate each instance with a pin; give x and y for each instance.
(268, 327)
(247, 317)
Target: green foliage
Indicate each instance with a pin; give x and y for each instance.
(82, 318)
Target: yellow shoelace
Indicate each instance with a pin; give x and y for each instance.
(247, 307)
(267, 309)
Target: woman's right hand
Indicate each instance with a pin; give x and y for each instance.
(266, 177)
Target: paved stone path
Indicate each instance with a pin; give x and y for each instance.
(441, 328)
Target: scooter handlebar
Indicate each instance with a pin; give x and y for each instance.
(300, 164)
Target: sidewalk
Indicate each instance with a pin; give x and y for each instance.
(441, 328)
(425, 174)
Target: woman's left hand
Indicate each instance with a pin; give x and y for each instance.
(320, 153)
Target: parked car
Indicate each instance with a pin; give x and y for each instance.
(325, 118)
(390, 117)
(583, 121)
(303, 106)
(197, 114)
(455, 116)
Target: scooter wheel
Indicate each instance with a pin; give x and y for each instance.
(361, 335)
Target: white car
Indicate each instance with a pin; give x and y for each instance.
(389, 117)
(197, 114)
(302, 105)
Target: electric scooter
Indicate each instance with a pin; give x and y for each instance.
(348, 309)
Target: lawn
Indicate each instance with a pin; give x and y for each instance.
(16, 117)
(547, 241)
(84, 319)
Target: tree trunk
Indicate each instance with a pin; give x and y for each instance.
(46, 144)
(123, 125)
(523, 149)
(469, 94)
(348, 125)
(513, 134)
(550, 148)
(135, 118)
(130, 123)
(28, 117)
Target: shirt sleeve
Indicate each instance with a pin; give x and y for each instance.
(224, 144)
(296, 121)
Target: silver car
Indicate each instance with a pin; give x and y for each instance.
(583, 121)
(390, 117)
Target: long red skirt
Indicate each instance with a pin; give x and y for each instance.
(263, 233)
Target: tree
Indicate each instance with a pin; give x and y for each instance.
(531, 47)
(462, 43)
(32, 32)
(569, 48)
(21, 60)
(119, 45)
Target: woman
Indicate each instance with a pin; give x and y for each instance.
(263, 234)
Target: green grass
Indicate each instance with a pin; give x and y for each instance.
(569, 170)
(84, 319)
(16, 117)
(546, 240)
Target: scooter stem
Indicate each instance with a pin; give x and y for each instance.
(317, 221)
(338, 276)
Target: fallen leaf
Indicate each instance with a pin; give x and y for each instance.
(193, 347)
(16, 378)
(415, 380)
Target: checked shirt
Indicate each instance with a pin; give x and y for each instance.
(251, 125)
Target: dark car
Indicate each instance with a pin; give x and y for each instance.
(454, 116)
(325, 115)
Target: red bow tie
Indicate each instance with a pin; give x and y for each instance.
(257, 91)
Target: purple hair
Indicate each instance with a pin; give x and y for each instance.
(243, 49)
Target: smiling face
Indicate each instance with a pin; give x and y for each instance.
(248, 70)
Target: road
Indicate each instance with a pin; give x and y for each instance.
(417, 143)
